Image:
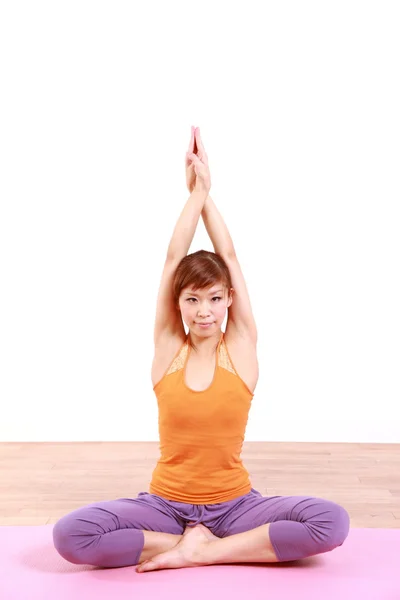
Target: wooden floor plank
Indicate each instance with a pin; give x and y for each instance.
(41, 482)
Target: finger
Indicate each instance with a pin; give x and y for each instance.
(192, 146)
(189, 160)
(200, 145)
(190, 174)
(192, 141)
(197, 162)
(199, 167)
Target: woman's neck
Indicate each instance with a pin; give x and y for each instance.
(204, 347)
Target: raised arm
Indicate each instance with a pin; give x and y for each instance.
(213, 221)
(199, 184)
(240, 313)
(217, 230)
(168, 321)
(186, 225)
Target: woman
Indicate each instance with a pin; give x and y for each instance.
(201, 508)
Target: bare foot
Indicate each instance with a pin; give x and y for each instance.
(185, 554)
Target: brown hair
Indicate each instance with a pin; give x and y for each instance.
(200, 270)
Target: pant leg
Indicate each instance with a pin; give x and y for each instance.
(300, 526)
(110, 533)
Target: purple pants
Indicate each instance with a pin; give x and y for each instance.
(110, 533)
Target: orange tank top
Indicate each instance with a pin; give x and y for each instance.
(201, 433)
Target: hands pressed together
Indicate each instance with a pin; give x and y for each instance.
(196, 162)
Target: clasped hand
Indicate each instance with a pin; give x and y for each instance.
(196, 162)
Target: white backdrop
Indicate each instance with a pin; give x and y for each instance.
(298, 108)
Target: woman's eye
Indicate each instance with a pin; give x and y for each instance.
(215, 297)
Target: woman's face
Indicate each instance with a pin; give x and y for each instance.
(204, 306)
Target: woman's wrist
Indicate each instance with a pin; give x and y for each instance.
(200, 194)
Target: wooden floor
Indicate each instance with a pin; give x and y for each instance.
(40, 482)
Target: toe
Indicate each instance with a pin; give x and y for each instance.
(147, 565)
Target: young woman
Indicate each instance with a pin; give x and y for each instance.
(201, 508)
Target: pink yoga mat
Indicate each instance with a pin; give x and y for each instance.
(366, 567)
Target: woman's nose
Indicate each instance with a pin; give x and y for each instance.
(204, 310)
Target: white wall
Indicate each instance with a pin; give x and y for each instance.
(298, 106)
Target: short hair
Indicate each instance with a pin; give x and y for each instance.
(200, 270)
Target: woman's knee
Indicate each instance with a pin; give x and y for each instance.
(341, 524)
(65, 539)
(336, 525)
(93, 535)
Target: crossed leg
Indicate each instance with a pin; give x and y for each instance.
(297, 527)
